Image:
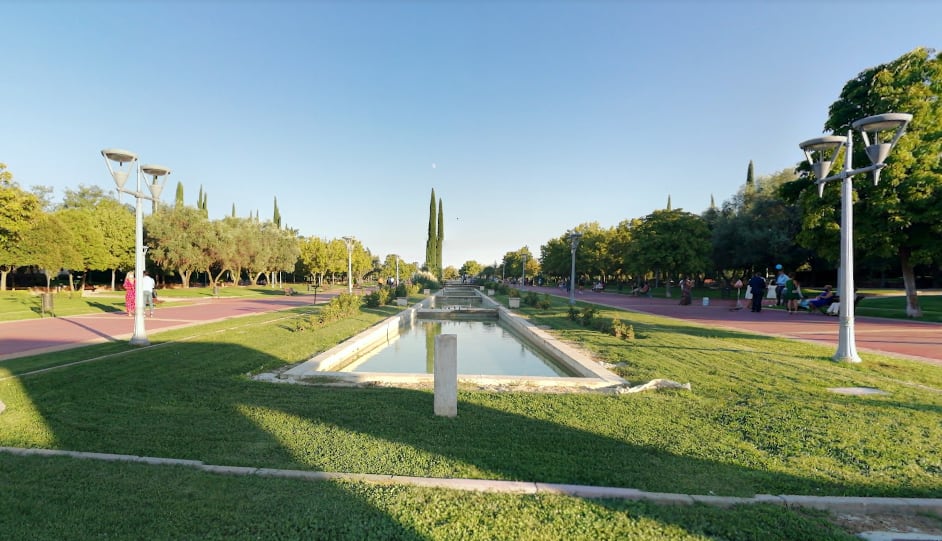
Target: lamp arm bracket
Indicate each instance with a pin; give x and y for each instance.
(852, 172)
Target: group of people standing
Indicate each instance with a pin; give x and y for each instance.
(787, 292)
(130, 293)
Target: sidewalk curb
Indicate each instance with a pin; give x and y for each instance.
(839, 504)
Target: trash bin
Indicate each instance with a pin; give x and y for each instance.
(46, 299)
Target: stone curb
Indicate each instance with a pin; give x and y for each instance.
(840, 504)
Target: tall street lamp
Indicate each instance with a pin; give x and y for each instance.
(126, 162)
(574, 238)
(523, 267)
(821, 153)
(349, 243)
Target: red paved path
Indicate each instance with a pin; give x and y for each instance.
(913, 339)
(898, 337)
(35, 336)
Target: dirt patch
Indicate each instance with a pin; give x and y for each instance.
(917, 523)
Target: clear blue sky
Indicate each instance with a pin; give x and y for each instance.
(527, 118)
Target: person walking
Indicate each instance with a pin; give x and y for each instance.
(686, 291)
(757, 286)
(130, 301)
(780, 280)
(147, 287)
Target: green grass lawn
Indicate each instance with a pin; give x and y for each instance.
(758, 420)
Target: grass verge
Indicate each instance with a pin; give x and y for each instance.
(759, 420)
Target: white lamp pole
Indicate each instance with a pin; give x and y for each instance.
(349, 243)
(523, 270)
(574, 238)
(821, 153)
(127, 161)
(397, 271)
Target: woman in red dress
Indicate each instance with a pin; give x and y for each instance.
(129, 298)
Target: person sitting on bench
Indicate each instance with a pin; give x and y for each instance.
(645, 289)
(823, 300)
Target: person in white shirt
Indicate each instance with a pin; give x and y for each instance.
(147, 286)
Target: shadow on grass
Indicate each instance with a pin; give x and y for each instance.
(192, 401)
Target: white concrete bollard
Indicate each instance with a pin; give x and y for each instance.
(706, 301)
(446, 375)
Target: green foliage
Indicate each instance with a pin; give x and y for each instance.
(587, 314)
(426, 280)
(404, 290)
(378, 298)
(340, 307)
(622, 330)
(573, 313)
(672, 241)
(901, 216)
(531, 299)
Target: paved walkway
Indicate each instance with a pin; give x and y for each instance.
(903, 338)
(37, 336)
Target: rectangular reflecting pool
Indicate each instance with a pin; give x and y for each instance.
(484, 347)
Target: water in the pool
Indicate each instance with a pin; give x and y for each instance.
(484, 348)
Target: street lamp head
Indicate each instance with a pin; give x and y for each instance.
(821, 153)
(155, 172)
(121, 157)
(885, 124)
(574, 238)
(349, 242)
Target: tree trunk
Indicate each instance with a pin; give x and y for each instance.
(214, 279)
(909, 283)
(185, 277)
(113, 273)
(3, 279)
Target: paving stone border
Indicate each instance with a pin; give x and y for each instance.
(841, 504)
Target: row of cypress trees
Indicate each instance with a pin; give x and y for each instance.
(436, 237)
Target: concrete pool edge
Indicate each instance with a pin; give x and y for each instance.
(321, 368)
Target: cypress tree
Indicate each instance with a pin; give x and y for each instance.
(276, 218)
(668, 201)
(440, 240)
(750, 180)
(431, 245)
(233, 210)
(179, 200)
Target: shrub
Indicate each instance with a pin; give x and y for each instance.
(545, 303)
(404, 290)
(513, 292)
(622, 330)
(587, 314)
(377, 298)
(573, 313)
(426, 280)
(340, 307)
(531, 299)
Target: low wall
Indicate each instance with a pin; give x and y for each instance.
(380, 333)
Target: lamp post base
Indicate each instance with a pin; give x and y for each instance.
(139, 341)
